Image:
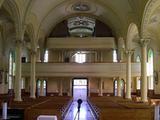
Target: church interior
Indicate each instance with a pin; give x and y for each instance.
(54, 53)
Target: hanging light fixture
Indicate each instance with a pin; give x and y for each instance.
(81, 26)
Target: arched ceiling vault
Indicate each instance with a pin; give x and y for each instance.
(151, 21)
(113, 13)
(47, 13)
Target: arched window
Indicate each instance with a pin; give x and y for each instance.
(138, 83)
(46, 56)
(41, 87)
(115, 87)
(138, 60)
(114, 56)
(80, 57)
(150, 69)
(11, 70)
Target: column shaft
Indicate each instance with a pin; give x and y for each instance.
(128, 75)
(17, 87)
(60, 88)
(101, 87)
(42, 88)
(33, 75)
(70, 87)
(89, 92)
(119, 87)
(144, 72)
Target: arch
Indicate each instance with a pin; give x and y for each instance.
(132, 36)
(115, 86)
(60, 17)
(1, 2)
(150, 7)
(41, 87)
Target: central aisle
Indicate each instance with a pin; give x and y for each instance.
(84, 114)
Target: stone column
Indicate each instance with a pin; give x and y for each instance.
(2, 85)
(70, 87)
(96, 57)
(101, 56)
(42, 88)
(101, 87)
(128, 74)
(144, 89)
(119, 87)
(33, 75)
(17, 87)
(60, 88)
(89, 92)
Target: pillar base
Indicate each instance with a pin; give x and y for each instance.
(128, 97)
(60, 94)
(18, 99)
(34, 97)
(100, 94)
(144, 100)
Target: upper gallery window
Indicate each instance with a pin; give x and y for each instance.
(115, 56)
(80, 57)
(46, 56)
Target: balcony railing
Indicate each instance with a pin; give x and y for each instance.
(81, 70)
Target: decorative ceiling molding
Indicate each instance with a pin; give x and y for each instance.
(150, 7)
(81, 7)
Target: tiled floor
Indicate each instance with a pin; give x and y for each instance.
(84, 114)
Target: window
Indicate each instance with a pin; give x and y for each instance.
(115, 87)
(41, 87)
(138, 59)
(138, 84)
(150, 69)
(46, 56)
(80, 57)
(114, 56)
(11, 70)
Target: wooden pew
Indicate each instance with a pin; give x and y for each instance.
(116, 108)
(53, 106)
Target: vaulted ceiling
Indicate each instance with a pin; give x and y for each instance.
(43, 15)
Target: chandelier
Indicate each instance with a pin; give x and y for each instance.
(81, 26)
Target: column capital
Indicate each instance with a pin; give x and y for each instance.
(18, 42)
(33, 52)
(144, 41)
(129, 52)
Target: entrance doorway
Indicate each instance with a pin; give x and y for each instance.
(80, 89)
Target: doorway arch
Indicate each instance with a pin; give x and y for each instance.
(115, 86)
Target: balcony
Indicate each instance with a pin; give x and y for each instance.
(81, 70)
